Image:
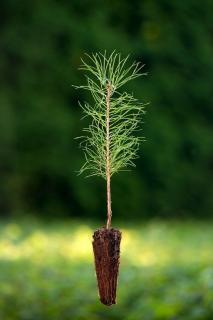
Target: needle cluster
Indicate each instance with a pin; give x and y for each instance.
(110, 143)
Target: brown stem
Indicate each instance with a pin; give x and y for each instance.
(108, 174)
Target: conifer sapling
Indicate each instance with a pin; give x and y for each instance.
(110, 145)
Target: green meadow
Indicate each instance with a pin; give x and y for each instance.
(47, 271)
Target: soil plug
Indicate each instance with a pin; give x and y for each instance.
(109, 146)
(106, 247)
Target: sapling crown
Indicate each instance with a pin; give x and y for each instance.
(110, 144)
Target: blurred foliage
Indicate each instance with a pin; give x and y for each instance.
(40, 48)
(47, 272)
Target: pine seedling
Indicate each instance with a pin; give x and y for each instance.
(110, 144)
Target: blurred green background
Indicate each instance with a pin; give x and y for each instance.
(166, 202)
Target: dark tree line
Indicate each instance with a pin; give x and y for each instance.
(40, 48)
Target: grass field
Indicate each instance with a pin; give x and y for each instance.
(47, 272)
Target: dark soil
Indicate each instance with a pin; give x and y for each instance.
(106, 247)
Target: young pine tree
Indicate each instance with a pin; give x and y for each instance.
(110, 145)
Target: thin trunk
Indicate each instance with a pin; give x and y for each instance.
(108, 173)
